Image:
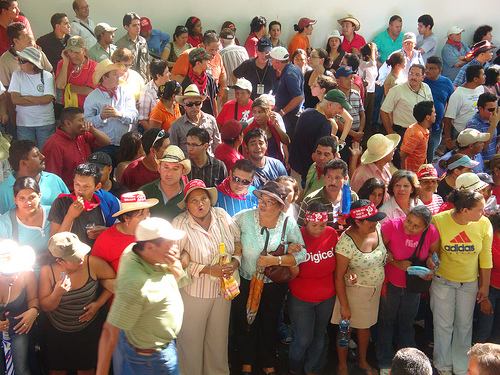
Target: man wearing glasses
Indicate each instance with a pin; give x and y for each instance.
(82, 25)
(192, 101)
(235, 193)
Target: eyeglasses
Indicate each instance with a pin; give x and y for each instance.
(415, 74)
(267, 203)
(161, 134)
(22, 61)
(190, 104)
(194, 144)
(126, 65)
(238, 180)
(85, 7)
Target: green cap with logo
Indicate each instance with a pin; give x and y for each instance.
(337, 96)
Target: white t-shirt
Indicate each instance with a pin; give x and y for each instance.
(462, 106)
(2, 88)
(368, 71)
(429, 45)
(31, 85)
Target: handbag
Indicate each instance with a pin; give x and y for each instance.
(280, 274)
(415, 284)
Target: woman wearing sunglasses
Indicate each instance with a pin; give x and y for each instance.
(166, 111)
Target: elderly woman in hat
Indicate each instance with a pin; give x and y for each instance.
(429, 179)
(256, 343)
(352, 42)
(134, 208)
(68, 293)
(19, 301)
(32, 91)
(362, 250)
(166, 111)
(202, 341)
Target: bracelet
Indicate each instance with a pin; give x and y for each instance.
(447, 139)
(37, 310)
(282, 113)
(279, 258)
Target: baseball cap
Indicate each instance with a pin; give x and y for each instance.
(469, 136)
(279, 53)
(344, 71)
(155, 227)
(304, 22)
(427, 172)
(242, 83)
(145, 24)
(264, 44)
(454, 30)
(76, 43)
(337, 96)
(101, 159)
(227, 34)
(199, 54)
(231, 129)
(410, 36)
(67, 245)
(102, 27)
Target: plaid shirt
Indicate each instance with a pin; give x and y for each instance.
(460, 79)
(147, 100)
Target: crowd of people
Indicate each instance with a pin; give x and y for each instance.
(163, 199)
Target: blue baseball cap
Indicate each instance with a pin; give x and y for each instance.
(344, 71)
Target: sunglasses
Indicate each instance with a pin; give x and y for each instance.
(238, 180)
(160, 135)
(22, 61)
(491, 109)
(190, 104)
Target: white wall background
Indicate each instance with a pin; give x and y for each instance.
(373, 15)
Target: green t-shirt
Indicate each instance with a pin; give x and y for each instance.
(147, 305)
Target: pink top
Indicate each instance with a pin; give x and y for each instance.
(366, 171)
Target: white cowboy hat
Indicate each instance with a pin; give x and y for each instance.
(378, 146)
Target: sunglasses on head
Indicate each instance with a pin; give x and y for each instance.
(238, 180)
(23, 61)
(159, 136)
(190, 104)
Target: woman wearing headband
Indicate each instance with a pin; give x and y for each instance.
(311, 294)
(362, 250)
(166, 111)
(195, 31)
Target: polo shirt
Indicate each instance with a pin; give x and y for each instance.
(269, 172)
(227, 155)
(250, 71)
(386, 45)
(85, 30)
(232, 110)
(477, 122)
(182, 66)
(291, 85)
(136, 174)
(157, 41)
(147, 304)
(357, 42)
(400, 101)
(462, 105)
(165, 210)
(450, 54)
(97, 53)
(235, 205)
(441, 90)
(251, 45)
(140, 50)
(163, 116)
(415, 144)
(180, 127)
(81, 78)
(5, 42)
(50, 184)
(212, 173)
(63, 154)
(9, 63)
(52, 47)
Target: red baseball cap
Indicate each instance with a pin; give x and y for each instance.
(146, 24)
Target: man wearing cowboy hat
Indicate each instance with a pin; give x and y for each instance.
(192, 101)
(147, 311)
(168, 189)
(482, 53)
(352, 42)
(110, 107)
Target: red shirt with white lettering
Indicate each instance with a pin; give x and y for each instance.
(314, 283)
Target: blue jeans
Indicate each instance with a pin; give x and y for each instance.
(487, 328)
(159, 363)
(379, 97)
(398, 307)
(19, 349)
(37, 134)
(309, 322)
(434, 141)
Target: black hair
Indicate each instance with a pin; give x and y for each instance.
(200, 133)
(298, 51)
(329, 49)
(257, 23)
(70, 113)
(245, 165)
(322, 54)
(209, 37)
(19, 150)
(56, 19)
(423, 213)
(411, 361)
(491, 75)
(494, 217)
(254, 133)
(436, 60)
(336, 164)
(485, 98)
(129, 214)
(368, 50)
(326, 82)
(190, 23)
(410, 176)
(168, 89)
(473, 71)
(293, 181)
(327, 141)
(423, 109)
(157, 67)
(14, 30)
(481, 32)
(369, 186)
(149, 137)
(26, 182)
(129, 17)
(316, 207)
(426, 20)
(139, 245)
(75, 5)
(463, 198)
(179, 30)
(272, 23)
(352, 60)
(296, 28)
(420, 66)
(89, 169)
(130, 144)
(443, 164)
(395, 59)
(5, 4)
(395, 18)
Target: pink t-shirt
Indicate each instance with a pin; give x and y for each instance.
(402, 246)
(314, 283)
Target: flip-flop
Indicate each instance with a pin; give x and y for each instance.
(370, 371)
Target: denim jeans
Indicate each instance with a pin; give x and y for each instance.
(452, 304)
(159, 363)
(379, 97)
(434, 141)
(309, 322)
(487, 328)
(19, 349)
(37, 134)
(397, 308)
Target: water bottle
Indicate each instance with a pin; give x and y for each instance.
(343, 340)
(435, 259)
(345, 205)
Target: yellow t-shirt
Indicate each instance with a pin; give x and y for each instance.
(464, 248)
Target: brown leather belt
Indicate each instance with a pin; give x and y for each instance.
(145, 351)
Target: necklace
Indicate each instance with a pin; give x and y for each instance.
(8, 296)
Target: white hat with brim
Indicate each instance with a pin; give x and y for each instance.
(104, 67)
(153, 228)
(134, 201)
(33, 55)
(190, 92)
(378, 146)
(470, 181)
(15, 258)
(352, 19)
(173, 154)
(198, 184)
(334, 34)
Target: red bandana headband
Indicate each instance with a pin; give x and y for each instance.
(316, 217)
(363, 212)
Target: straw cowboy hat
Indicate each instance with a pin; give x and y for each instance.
(135, 201)
(352, 19)
(379, 146)
(190, 92)
(174, 154)
(102, 68)
(198, 184)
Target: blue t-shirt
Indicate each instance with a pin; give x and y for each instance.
(269, 172)
(234, 205)
(441, 89)
(291, 86)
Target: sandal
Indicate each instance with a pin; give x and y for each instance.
(370, 371)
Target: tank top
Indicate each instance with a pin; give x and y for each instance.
(15, 308)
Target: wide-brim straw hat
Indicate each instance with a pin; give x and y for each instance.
(102, 68)
(33, 55)
(198, 184)
(378, 146)
(135, 201)
(274, 190)
(352, 19)
(190, 92)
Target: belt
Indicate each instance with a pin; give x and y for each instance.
(146, 351)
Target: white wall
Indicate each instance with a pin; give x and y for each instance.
(373, 15)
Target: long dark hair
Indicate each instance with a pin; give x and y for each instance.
(369, 186)
(130, 144)
(191, 21)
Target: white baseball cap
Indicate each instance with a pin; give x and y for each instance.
(154, 227)
(279, 53)
(454, 30)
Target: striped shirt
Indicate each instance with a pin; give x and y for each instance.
(203, 247)
(147, 100)
(212, 173)
(434, 204)
(461, 77)
(415, 145)
(354, 100)
(235, 205)
(232, 56)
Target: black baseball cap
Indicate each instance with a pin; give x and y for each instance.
(101, 159)
(264, 44)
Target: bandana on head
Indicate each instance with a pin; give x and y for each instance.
(363, 212)
(316, 217)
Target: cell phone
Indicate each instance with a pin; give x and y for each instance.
(62, 275)
(2, 315)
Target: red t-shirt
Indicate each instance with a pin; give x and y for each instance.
(80, 78)
(136, 175)
(110, 244)
(4, 39)
(314, 283)
(227, 155)
(495, 271)
(227, 112)
(251, 45)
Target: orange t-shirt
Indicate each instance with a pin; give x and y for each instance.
(298, 41)
(182, 66)
(164, 117)
(415, 145)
